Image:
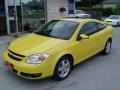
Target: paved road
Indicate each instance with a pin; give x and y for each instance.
(97, 73)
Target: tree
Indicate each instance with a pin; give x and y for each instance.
(117, 9)
(88, 3)
(35, 4)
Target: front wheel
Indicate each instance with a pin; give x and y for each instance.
(107, 48)
(118, 24)
(63, 68)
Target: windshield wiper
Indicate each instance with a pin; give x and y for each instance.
(44, 34)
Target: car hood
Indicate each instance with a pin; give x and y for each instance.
(81, 14)
(33, 43)
(113, 20)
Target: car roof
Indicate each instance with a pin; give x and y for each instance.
(76, 19)
(78, 10)
(114, 15)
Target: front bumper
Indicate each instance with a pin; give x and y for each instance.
(29, 71)
(112, 23)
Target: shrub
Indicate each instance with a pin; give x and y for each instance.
(116, 10)
(105, 11)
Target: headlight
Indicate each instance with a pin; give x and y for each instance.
(37, 58)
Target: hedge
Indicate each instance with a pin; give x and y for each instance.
(105, 11)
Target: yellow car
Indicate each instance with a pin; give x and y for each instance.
(56, 47)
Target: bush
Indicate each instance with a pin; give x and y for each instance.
(89, 9)
(105, 11)
(116, 10)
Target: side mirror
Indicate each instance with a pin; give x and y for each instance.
(83, 36)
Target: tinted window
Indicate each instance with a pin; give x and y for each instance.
(89, 28)
(113, 17)
(100, 26)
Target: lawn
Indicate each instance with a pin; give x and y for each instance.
(34, 15)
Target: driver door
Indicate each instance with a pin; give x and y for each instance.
(87, 47)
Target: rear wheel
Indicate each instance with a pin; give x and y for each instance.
(63, 68)
(107, 48)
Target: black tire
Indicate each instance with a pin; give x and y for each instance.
(57, 75)
(107, 47)
(117, 24)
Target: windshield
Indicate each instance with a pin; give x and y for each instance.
(113, 17)
(80, 12)
(59, 29)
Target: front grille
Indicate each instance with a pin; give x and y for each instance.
(15, 56)
(31, 75)
(22, 56)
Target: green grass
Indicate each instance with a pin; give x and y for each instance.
(34, 15)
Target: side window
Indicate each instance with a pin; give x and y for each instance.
(100, 26)
(89, 28)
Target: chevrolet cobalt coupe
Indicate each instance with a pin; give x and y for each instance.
(56, 47)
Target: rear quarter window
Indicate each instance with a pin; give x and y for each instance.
(101, 26)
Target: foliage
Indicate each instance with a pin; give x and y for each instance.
(35, 4)
(34, 15)
(107, 11)
(117, 9)
(90, 9)
(88, 3)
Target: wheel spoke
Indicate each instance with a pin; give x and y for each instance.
(64, 68)
(108, 47)
(63, 63)
(62, 73)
